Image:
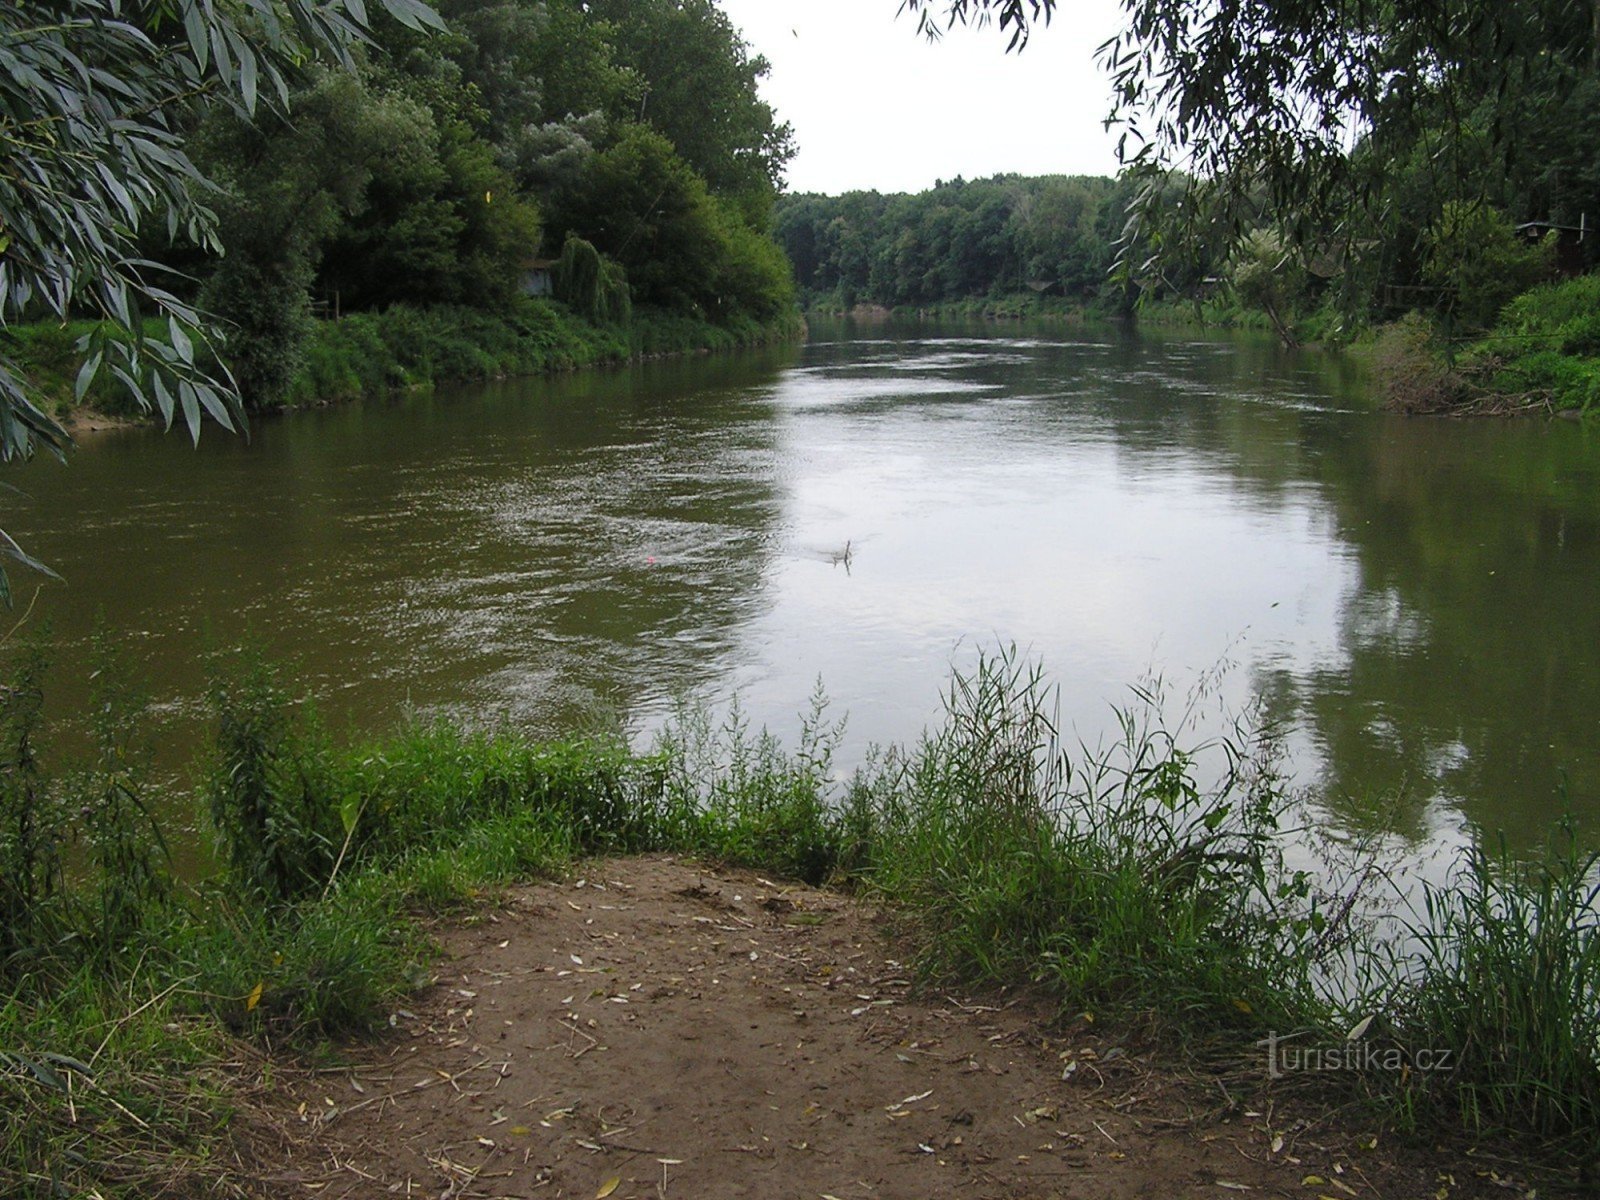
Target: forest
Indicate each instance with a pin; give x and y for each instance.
(457, 162)
(288, 159)
(1319, 171)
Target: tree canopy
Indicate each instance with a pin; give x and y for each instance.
(961, 239)
(1339, 121)
(96, 97)
(195, 177)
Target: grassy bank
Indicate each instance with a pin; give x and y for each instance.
(1021, 306)
(1545, 347)
(1542, 355)
(1117, 882)
(371, 354)
(374, 354)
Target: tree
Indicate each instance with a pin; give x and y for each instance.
(1307, 108)
(1478, 263)
(699, 88)
(1268, 278)
(95, 99)
(644, 207)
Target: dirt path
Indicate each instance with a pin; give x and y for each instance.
(657, 1030)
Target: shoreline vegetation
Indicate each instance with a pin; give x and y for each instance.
(367, 355)
(1464, 314)
(1541, 357)
(1119, 884)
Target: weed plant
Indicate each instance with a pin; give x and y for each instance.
(1114, 879)
(1502, 999)
(1144, 882)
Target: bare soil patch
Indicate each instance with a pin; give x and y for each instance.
(654, 1028)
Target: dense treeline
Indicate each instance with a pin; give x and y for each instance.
(1361, 167)
(1055, 235)
(628, 133)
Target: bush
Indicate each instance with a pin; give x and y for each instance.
(1474, 254)
(1409, 363)
(276, 820)
(1547, 344)
(31, 825)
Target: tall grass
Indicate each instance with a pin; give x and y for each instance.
(1114, 879)
(1143, 882)
(1504, 991)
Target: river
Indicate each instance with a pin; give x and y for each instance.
(1416, 603)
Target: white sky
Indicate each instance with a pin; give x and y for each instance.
(875, 107)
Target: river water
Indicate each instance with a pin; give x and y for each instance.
(1415, 602)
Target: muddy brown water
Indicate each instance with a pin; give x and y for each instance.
(1416, 603)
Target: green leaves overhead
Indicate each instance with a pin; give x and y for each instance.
(95, 100)
(1348, 126)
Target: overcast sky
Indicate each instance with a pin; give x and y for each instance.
(875, 107)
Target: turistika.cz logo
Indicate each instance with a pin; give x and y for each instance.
(1285, 1056)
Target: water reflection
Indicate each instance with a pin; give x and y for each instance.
(1414, 601)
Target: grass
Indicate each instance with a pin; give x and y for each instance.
(1507, 989)
(47, 352)
(372, 354)
(1143, 883)
(1546, 345)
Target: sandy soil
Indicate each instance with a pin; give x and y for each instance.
(655, 1029)
(84, 423)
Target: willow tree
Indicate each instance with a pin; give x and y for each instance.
(95, 98)
(1314, 112)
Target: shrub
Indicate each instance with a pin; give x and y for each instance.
(1474, 254)
(1547, 344)
(1411, 370)
(276, 822)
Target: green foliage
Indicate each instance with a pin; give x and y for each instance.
(1116, 880)
(1509, 978)
(50, 355)
(439, 221)
(105, 1087)
(700, 91)
(1266, 277)
(592, 286)
(126, 850)
(1475, 257)
(743, 799)
(1564, 317)
(1052, 236)
(1409, 361)
(373, 354)
(288, 183)
(31, 825)
(277, 825)
(1547, 344)
(641, 205)
(1016, 17)
(95, 100)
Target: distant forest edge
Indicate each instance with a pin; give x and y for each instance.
(1465, 307)
(1053, 236)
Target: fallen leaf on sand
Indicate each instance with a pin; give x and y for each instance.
(608, 1187)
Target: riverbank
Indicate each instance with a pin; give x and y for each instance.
(368, 355)
(661, 1025)
(1026, 306)
(1113, 899)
